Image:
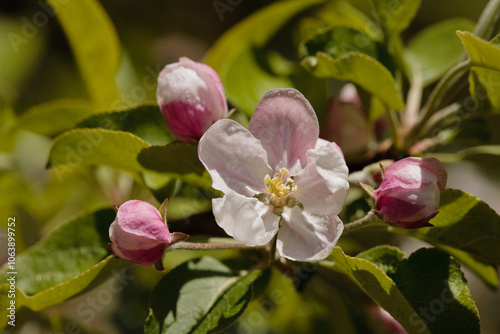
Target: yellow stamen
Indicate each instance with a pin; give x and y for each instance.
(278, 191)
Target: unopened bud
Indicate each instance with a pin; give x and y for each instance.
(191, 98)
(409, 194)
(138, 233)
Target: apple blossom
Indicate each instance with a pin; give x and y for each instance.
(138, 233)
(278, 178)
(191, 98)
(409, 194)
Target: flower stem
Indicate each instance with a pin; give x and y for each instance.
(272, 250)
(487, 20)
(413, 102)
(209, 246)
(369, 219)
(395, 125)
(442, 87)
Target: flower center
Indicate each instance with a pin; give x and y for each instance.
(278, 192)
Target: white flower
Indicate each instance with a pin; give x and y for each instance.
(277, 178)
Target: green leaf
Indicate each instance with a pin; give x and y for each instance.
(20, 54)
(469, 153)
(435, 50)
(67, 252)
(96, 147)
(145, 121)
(394, 16)
(245, 94)
(233, 55)
(481, 52)
(345, 14)
(53, 118)
(95, 45)
(465, 223)
(72, 260)
(185, 207)
(468, 229)
(360, 69)
(435, 286)
(487, 272)
(199, 296)
(485, 67)
(84, 282)
(230, 306)
(176, 157)
(337, 41)
(385, 257)
(380, 288)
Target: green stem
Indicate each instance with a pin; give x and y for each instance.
(413, 103)
(441, 88)
(394, 122)
(369, 219)
(487, 20)
(272, 250)
(210, 246)
(437, 117)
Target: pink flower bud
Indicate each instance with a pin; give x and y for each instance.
(408, 196)
(388, 324)
(138, 233)
(345, 122)
(191, 98)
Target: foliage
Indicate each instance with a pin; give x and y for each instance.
(425, 89)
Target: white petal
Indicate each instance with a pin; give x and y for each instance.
(321, 142)
(287, 126)
(307, 237)
(246, 219)
(322, 185)
(234, 158)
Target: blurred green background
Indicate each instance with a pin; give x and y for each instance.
(41, 68)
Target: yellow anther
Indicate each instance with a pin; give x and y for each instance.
(278, 191)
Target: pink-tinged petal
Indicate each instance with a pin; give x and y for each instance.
(187, 122)
(138, 234)
(144, 257)
(409, 176)
(234, 158)
(214, 96)
(191, 98)
(409, 194)
(407, 171)
(323, 142)
(307, 237)
(322, 185)
(247, 220)
(408, 208)
(138, 239)
(139, 223)
(349, 94)
(287, 126)
(436, 166)
(346, 123)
